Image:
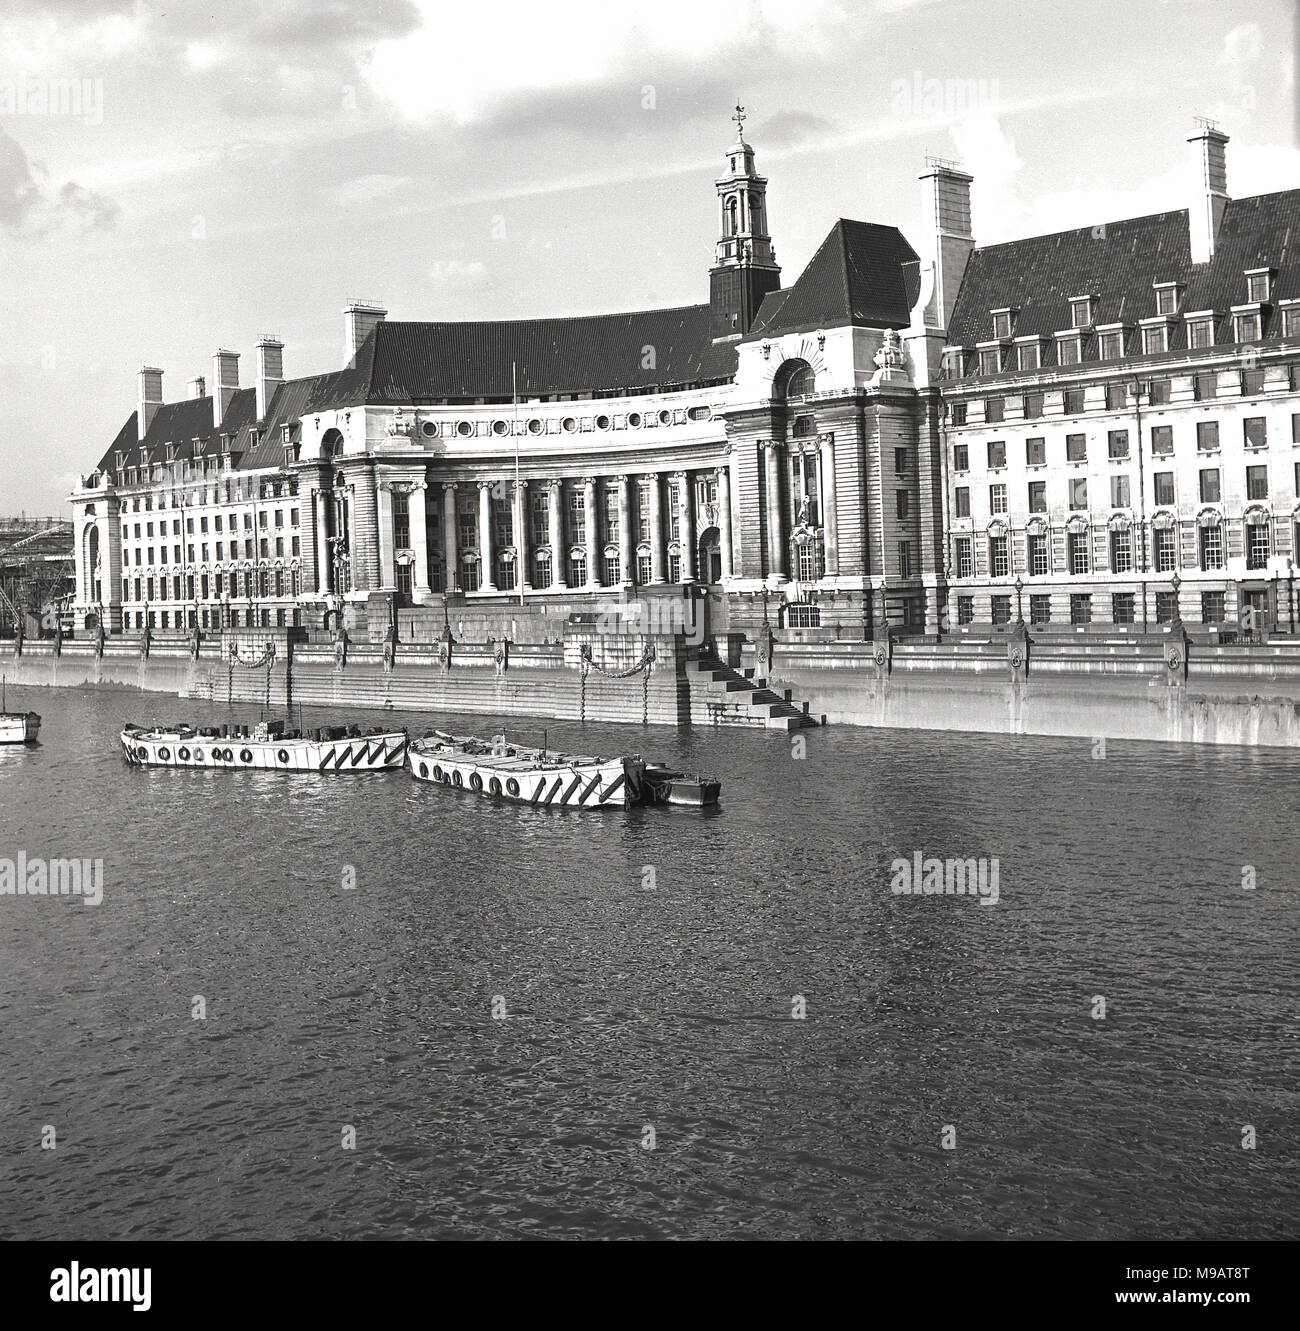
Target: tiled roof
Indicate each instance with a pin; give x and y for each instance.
(859, 276)
(1118, 264)
(178, 423)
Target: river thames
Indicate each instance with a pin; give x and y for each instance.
(1089, 1058)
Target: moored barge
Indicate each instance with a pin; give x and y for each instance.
(266, 747)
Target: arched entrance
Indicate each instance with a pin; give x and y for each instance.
(709, 562)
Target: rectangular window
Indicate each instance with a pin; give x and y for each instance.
(900, 505)
(1119, 492)
(997, 454)
(1121, 607)
(1040, 609)
(997, 498)
(1161, 390)
(1207, 386)
(1000, 607)
(1002, 324)
(962, 498)
(1080, 609)
(1027, 356)
(1257, 286)
(1078, 492)
(1038, 562)
(990, 360)
(1077, 551)
(905, 559)
(965, 609)
(1121, 551)
(1211, 543)
(1162, 439)
(1117, 443)
(1067, 351)
(1164, 488)
(965, 558)
(1116, 397)
(1252, 383)
(1155, 339)
(1291, 322)
(999, 562)
(612, 575)
(1207, 436)
(958, 413)
(1212, 607)
(1164, 607)
(1209, 485)
(1166, 553)
(644, 570)
(1246, 327)
(1200, 333)
(993, 411)
(1256, 482)
(1038, 496)
(1036, 451)
(1257, 545)
(1081, 313)
(1110, 346)
(1076, 447)
(900, 462)
(960, 457)
(1033, 402)
(1073, 401)
(1255, 429)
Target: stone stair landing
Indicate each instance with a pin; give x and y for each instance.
(723, 696)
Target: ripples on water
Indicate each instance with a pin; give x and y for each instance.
(666, 1006)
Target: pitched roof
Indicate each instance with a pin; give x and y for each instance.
(859, 276)
(178, 424)
(1118, 263)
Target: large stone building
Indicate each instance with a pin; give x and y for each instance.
(897, 436)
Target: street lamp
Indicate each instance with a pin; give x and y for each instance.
(1020, 614)
(1290, 591)
(1175, 583)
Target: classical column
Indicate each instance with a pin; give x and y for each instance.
(384, 530)
(419, 543)
(656, 528)
(523, 570)
(830, 518)
(486, 581)
(320, 502)
(592, 533)
(724, 518)
(685, 525)
(555, 534)
(775, 515)
(450, 555)
(626, 547)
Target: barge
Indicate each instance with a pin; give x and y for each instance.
(265, 747)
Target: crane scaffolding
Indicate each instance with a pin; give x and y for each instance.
(37, 573)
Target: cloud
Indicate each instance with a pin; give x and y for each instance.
(361, 190)
(1243, 43)
(30, 206)
(788, 127)
(459, 275)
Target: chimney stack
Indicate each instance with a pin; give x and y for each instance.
(270, 372)
(359, 317)
(225, 383)
(197, 387)
(148, 397)
(1209, 188)
(946, 222)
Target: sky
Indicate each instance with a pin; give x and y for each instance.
(197, 179)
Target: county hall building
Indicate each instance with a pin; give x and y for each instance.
(938, 438)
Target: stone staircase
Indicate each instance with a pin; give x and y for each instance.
(723, 696)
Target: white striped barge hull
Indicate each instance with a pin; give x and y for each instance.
(520, 778)
(365, 753)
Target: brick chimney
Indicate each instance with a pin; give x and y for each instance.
(946, 223)
(1209, 188)
(359, 317)
(270, 372)
(225, 383)
(148, 397)
(196, 387)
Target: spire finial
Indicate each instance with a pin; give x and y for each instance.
(739, 118)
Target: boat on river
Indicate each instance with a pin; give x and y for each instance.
(266, 747)
(519, 774)
(17, 727)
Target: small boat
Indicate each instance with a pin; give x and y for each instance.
(17, 727)
(265, 747)
(545, 777)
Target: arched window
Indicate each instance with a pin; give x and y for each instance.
(795, 379)
(331, 443)
(732, 223)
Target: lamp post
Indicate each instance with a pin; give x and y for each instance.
(1290, 591)
(1020, 587)
(1174, 584)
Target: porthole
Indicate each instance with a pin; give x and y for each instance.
(535, 426)
(429, 429)
(568, 425)
(602, 422)
(500, 427)
(700, 413)
(464, 428)
(634, 419)
(665, 417)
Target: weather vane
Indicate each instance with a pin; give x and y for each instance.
(739, 118)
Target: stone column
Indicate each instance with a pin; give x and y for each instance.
(626, 546)
(555, 532)
(486, 580)
(593, 534)
(830, 518)
(419, 544)
(523, 569)
(686, 524)
(321, 500)
(384, 530)
(724, 518)
(775, 512)
(450, 554)
(656, 528)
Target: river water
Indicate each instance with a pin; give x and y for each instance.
(649, 1077)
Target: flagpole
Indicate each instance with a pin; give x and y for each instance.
(523, 517)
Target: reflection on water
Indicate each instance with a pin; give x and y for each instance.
(648, 962)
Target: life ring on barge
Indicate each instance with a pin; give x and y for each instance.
(475, 781)
(437, 771)
(245, 755)
(282, 755)
(457, 779)
(494, 787)
(512, 787)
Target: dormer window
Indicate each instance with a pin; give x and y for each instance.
(199, 446)
(1081, 311)
(1246, 324)
(990, 360)
(1069, 348)
(1168, 295)
(1200, 329)
(1110, 343)
(1029, 353)
(1155, 336)
(1291, 319)
(953, 358)
(1259, 285)
(120, 458)
(286, 434)
(1002, 320)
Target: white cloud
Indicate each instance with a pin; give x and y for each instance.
(1244, 43)
(361, 190)
(459, 275)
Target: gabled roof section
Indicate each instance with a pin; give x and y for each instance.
(288, 405)
(178, 424)
(858, 277)
(1120, 262)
